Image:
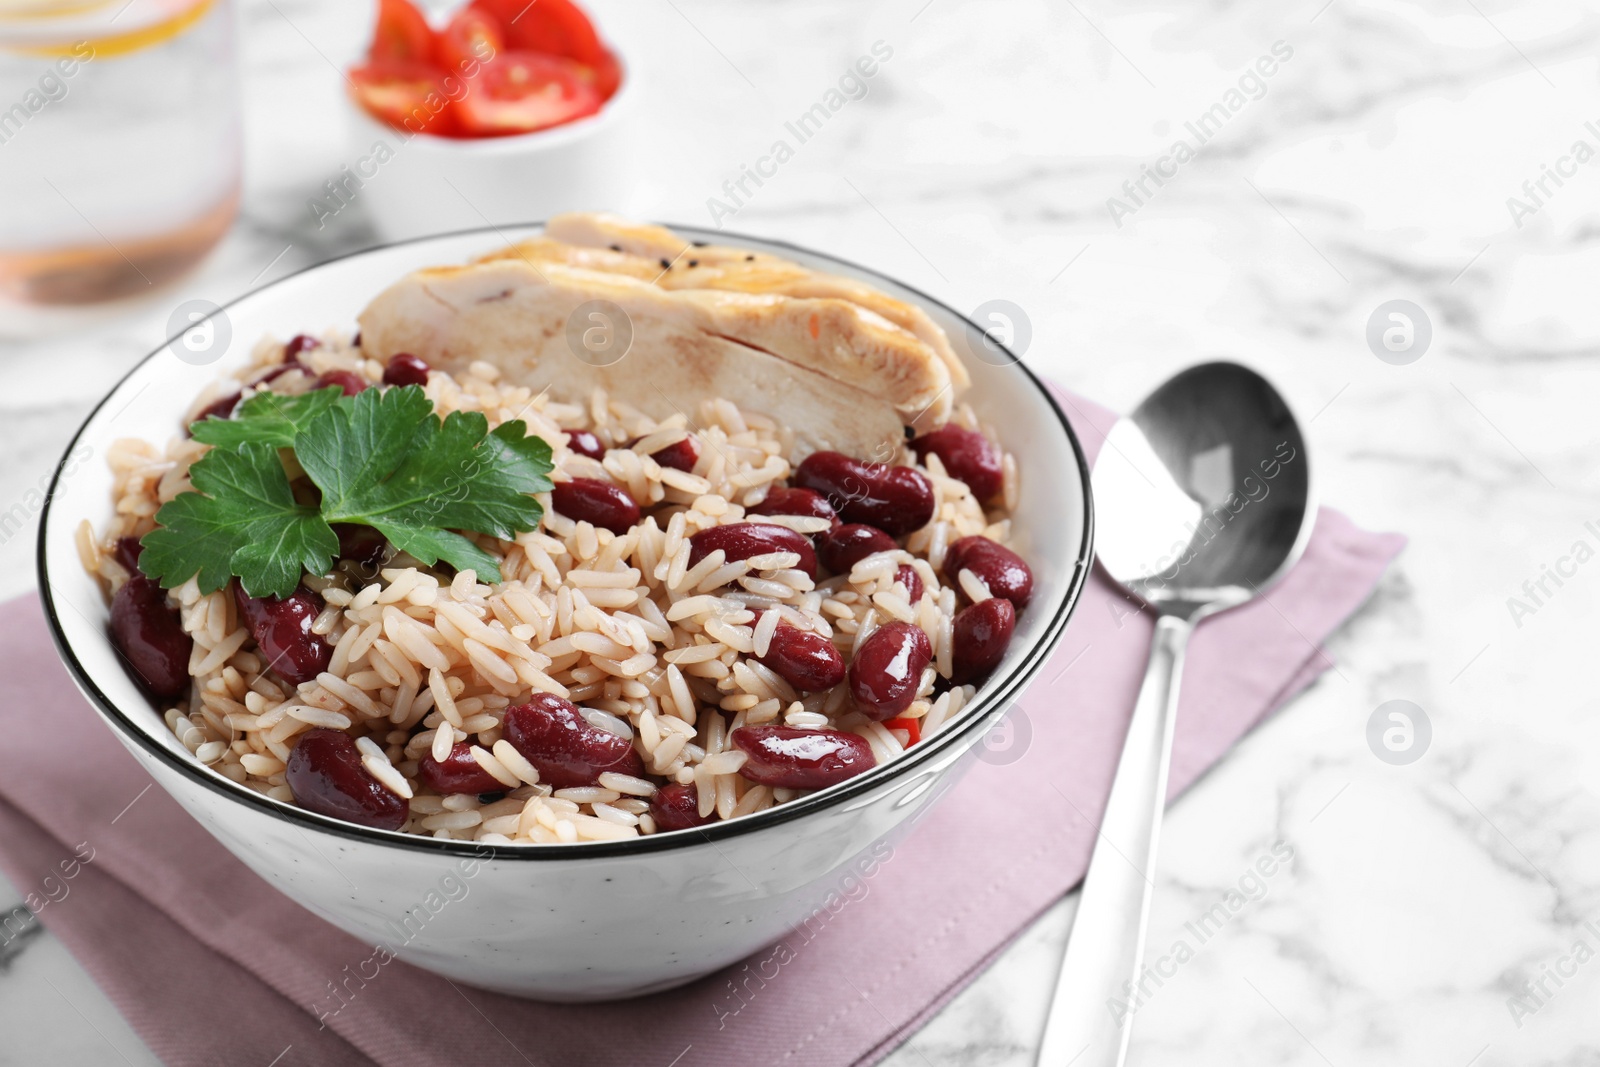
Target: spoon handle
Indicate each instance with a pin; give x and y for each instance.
(1091, 1014)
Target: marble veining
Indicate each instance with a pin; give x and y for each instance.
(1430, 913)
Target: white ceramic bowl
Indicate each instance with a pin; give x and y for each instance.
(560, 922)
(430, 184)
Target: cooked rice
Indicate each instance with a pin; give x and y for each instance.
(654, 649)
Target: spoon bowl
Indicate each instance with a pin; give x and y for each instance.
(1205, 492)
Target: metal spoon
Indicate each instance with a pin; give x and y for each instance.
(1203, 498)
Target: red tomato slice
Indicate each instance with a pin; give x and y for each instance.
(408, 96)
(473, 37)
(402, 34)
(605, 76)
(558, 27)
(519, 92)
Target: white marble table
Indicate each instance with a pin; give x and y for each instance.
(1375, 165)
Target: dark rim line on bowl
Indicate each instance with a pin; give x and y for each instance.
(981, 714)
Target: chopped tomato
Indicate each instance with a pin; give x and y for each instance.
(408, 96)
(500, 67)
(557, 27)
(605, 76)
(519, 92)
(402, 34)
(473, 37)
(912, 727)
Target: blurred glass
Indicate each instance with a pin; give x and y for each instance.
(119, 143)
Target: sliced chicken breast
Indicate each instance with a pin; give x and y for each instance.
(685, 347)
(641, 249)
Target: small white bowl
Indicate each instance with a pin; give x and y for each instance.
(583, 921)
(438, 184)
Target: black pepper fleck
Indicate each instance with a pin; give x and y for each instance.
(666, 264)
(694, 263)
(748, 258)
(698, 244)
(616, 248)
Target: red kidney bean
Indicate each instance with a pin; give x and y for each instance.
(361, 544)
(568, 750)
(1001, 569)
(348, 380)
(741, 540)
(326, 776)
(405, 369)
(127, 552)
(808, 502)
(150, 636)
(458, 773)
(907, 576)
(806, 660)
(682, 455)
(980, 637)
(221, 408)
(585, 443)
(842, 547)
(897, 500)
(297, 344)
(887, 669)
(677, 807)
(282, 629)
(967, 455)
(791, 758)
(599, 503)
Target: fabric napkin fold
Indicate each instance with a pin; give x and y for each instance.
(211, 965)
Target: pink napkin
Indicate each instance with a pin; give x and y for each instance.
(211, 965)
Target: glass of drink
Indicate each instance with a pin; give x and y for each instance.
(119, 144)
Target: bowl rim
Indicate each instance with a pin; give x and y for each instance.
(998, 692)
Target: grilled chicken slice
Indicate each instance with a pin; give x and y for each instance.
(537, 251)
(767, 354)
(835, 338)
(601, 230)
(655, 253)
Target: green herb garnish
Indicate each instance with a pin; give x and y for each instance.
(381, 459)
(267, 418)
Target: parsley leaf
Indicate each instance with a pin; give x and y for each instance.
(381, 459)
(270, 418)
(247, 523)
(386, 461)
